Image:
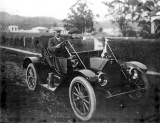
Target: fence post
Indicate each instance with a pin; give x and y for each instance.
(33, 44)
(19, 42)
(9, 39)
(13, 42)
(24, 41)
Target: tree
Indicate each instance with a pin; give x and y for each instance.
(145, 11)
(80, 17)
(55, 24)
(100, 29)
(67, 24)
(122, 12)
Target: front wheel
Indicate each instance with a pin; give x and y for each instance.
(82, 98)
(141, 84)
(31, 77)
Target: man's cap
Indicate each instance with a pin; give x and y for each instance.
(73, 30)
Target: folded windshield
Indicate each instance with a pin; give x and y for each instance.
(85, 44)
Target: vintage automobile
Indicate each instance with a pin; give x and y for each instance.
(87, 72)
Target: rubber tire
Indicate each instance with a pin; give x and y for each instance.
(35, 73)
(145, 80)
(91, 93)
(146, 83)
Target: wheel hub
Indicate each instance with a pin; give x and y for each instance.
(81, 96)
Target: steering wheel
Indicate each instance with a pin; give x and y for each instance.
(76, 54)
(63, 44)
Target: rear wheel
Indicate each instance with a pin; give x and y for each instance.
(82, 98)
(141, 84)
(31, 77)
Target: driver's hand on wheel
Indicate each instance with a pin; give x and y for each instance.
(58, 45)
(63, 44)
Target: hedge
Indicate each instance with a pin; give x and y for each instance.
(145, 51)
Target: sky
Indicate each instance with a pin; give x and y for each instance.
(49, 8)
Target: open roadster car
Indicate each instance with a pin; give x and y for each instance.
(87, 72)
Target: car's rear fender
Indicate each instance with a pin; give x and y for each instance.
(139, 66)
(29, 60)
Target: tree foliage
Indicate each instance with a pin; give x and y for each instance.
(80, 17)
(122, 12)
(100, 29)
(125, 11)
(145, 11)
(55, 24)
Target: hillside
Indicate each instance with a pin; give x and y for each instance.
(27, 22)
(30, 22)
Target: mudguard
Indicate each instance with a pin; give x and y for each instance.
(88, 74)
(29, 60)
(139, 66)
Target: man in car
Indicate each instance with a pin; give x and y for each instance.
(57, 49)
(55, 45)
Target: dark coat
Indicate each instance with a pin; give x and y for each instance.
(54, 49)
(52, 44)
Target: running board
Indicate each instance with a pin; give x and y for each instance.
(110, 95)
(49, 88)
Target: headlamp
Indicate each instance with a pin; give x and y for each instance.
(133, 73)
(102, 79)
